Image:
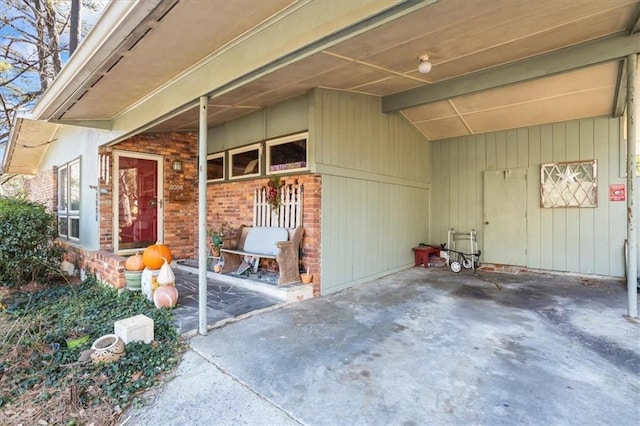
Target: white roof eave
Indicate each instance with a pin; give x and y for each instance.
(29, 152)
(118, 19)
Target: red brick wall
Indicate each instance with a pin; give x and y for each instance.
(232, 202)
(227, 202)
(106, 266)
(42, 188)
(180, 217)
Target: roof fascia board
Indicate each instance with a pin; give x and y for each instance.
(117, 20)
(545, 65)
(11, 142)
(92, 124)
(308, 29)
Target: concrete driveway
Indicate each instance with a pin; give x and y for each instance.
(423, 346)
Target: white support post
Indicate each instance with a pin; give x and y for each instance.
(632, 261)
(202, 216)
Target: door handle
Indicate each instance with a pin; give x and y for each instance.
(153, 202)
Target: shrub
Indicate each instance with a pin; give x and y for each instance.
(28, 247)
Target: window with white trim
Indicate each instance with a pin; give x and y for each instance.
(215, 167)
(69, 200)
(245, 161)
(287, 154)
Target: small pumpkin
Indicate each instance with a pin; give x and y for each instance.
(166, 277)
(154, 256)
(134, 263)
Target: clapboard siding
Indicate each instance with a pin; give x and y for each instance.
(375, 188)
(581, 240)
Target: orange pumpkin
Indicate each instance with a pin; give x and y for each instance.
(154, 255)
(134, 263)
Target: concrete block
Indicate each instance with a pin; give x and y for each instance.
(133, 329)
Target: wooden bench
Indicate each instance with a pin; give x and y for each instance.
(281, 244)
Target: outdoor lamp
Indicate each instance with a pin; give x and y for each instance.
(425, 66)
(177, 166)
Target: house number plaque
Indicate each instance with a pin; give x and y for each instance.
(180, 192)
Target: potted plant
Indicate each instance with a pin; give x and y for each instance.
(133, 268)
(217, 236)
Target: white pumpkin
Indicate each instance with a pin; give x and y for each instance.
(165, 276)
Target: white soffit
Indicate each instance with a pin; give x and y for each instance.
(461, 38)
(28, 143)
(588, 92)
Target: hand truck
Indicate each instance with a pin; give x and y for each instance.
(458, 259)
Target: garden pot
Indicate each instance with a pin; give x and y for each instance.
(133, 280)
(306, 278)
(165, 296)
(107, 348)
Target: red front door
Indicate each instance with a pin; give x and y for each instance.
(138, 202)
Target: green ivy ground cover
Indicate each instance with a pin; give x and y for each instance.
(41, 379)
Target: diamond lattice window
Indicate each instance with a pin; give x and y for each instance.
(570, 184)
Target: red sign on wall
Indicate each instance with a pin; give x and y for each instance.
(617, 192)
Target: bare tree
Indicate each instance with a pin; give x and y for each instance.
(74, 29)
(32, 52)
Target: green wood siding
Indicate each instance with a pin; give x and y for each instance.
(283, 119)
(375, 188)
(581, 240)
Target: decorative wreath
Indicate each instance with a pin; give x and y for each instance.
(273, 192)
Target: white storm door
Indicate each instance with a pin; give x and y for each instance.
(138, 218)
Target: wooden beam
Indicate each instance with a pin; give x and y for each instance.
(620, 100)
(545, 65)
(635, 23)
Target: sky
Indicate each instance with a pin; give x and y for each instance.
(89, 16)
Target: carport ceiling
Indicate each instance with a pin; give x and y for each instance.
(461, 38)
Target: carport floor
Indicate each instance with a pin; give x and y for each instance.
(224, 301)
(419, 347)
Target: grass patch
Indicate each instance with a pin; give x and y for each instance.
(42, 380)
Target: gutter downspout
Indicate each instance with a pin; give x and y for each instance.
(202, 216)
(632, 271)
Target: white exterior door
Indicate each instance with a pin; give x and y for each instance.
(505, 217)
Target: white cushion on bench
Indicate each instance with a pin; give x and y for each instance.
(263, 239)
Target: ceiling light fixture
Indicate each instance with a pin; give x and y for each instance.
(425, 66)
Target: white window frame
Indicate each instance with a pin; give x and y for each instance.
(252, 147)
(224, 166)
(68, 213)
(281, 141)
